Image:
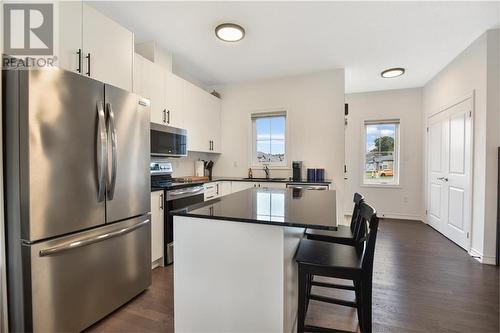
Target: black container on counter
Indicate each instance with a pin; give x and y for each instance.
(311, 175)
(320, 175)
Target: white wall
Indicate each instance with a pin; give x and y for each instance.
(474, 70)
(404, 201)
(315, 123)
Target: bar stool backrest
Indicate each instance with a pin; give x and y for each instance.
(358, 198)
(368, 216)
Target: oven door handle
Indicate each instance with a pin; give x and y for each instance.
(191, 191)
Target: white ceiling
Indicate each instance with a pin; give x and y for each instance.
(286, 38)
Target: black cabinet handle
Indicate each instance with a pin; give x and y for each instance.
(79, 68)
(88, 64)
(168, 116)
(164, 115)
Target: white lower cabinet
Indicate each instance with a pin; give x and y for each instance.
(157, 216)
(240, 186)
(224, 188)
(211, 190)
(272, 185)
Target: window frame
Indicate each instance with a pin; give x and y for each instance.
(396, 183)
(254, 163)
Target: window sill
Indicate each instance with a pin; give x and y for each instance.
(393, 186)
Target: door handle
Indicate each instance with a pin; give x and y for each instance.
(102, 152)
(79, 68)
(112, 131)
(90, 240)
(88, 64)
(443, 179)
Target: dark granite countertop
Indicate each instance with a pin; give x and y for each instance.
(281, 207)
(271, 180)
(237, 179)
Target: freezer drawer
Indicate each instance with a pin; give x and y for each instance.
(77, 280)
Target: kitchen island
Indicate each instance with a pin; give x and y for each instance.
(234, 269)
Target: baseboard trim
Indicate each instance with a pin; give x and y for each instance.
(396, 216)
(487, 260)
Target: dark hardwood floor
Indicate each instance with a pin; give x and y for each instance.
(422, 283)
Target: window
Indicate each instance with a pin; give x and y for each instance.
(269, 138)
(381, 153)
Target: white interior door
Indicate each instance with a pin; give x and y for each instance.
(449, 170)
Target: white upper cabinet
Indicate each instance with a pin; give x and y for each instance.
(174, 100)
(214, 121)
(94, 45)
(108, 49)
(149, 82)
(202, 119)
(70, 35)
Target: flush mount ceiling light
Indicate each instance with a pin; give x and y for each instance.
(229, 32)
(393, 72)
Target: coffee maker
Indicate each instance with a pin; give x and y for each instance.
(297, 170)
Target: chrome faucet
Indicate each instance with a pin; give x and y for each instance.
(266, 170)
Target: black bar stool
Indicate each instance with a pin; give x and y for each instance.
(317, 258)
(348, 235)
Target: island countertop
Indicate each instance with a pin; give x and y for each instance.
(282, 207)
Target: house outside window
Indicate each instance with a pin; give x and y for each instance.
(269, 139)
(381, 153)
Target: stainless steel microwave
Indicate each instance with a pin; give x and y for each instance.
(168, 141)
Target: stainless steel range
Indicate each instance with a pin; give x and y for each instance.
(177, 195)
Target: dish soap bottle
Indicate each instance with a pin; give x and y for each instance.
(250, 175)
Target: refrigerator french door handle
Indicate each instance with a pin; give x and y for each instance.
(112, 132)
(102, 152)
(90, 240)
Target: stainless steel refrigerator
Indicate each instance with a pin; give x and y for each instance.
(77, 191)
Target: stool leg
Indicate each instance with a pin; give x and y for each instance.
(301, 310)
(359, 302)
(310, 278)
(367, 304)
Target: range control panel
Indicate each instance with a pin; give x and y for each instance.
(160, 168)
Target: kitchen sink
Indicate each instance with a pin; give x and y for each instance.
(264, 179)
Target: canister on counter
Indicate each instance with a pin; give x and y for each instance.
(311, 175)
(320, 175)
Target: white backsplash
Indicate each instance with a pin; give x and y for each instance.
(184, 166)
